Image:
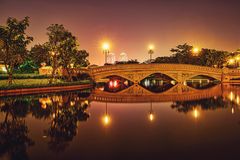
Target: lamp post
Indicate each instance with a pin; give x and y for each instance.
(150, 51)
(105, 48)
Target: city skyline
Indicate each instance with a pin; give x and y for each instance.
(131, 26)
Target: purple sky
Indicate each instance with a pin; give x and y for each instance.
(130, 25)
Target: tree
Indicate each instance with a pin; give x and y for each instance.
(56, 35)
(183, 54)
(14, 133)
(14, 43)
(63, 126)
(80, 59)
(204, 104)
(67, 52)
(166, 59)
(39, 54)
(64, 48)
(212, 57)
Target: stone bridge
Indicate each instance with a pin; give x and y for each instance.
(178, 72)
(137, 72)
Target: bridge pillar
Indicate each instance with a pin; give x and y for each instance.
(180, 77)
(179, 89)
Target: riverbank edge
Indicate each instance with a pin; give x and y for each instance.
(52, 89)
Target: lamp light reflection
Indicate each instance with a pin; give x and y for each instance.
(196, 113)
(233, 110)
(151, 117)
(106, 119)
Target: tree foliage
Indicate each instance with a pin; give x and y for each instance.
(14, 43)
(183, 54)
(61, 50)
(40, 54)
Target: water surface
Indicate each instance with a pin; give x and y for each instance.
(179, 123)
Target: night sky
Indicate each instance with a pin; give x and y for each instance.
(130, 25)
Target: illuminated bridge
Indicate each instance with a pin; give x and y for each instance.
(137, 72)
(178, 72)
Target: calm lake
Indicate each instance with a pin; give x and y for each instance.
(133, 122)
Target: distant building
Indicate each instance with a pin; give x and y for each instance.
(111, 58)
(2, 68)
(123, 57)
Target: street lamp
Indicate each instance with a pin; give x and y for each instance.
(151, 51)
(196, 51)
(232, 62)
(106, 48)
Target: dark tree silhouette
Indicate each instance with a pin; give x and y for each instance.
(205, 104)
(14, 139)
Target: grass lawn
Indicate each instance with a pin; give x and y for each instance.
(33, 83)
(25, 82)
(24, 76)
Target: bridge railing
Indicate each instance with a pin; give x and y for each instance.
(171, 67)
(233, 72)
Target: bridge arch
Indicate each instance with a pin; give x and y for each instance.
(159, 72)
(216, 77)
(137, 72)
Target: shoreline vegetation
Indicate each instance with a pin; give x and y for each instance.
(45, 89)
(34, 83)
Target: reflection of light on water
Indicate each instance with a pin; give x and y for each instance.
(125, 82)
(72, 103)
(233, 110)
(147, 83)
(106, 120)
(231, 96)
(2, 104)
(86, 101)
(196, 113)
(44, 102)
(44, 106)
(154, 81)
(237, 99)
(101, 88)
(173, 82)
(151, 117)
(113, 84)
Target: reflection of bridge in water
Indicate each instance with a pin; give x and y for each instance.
(136, 94)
